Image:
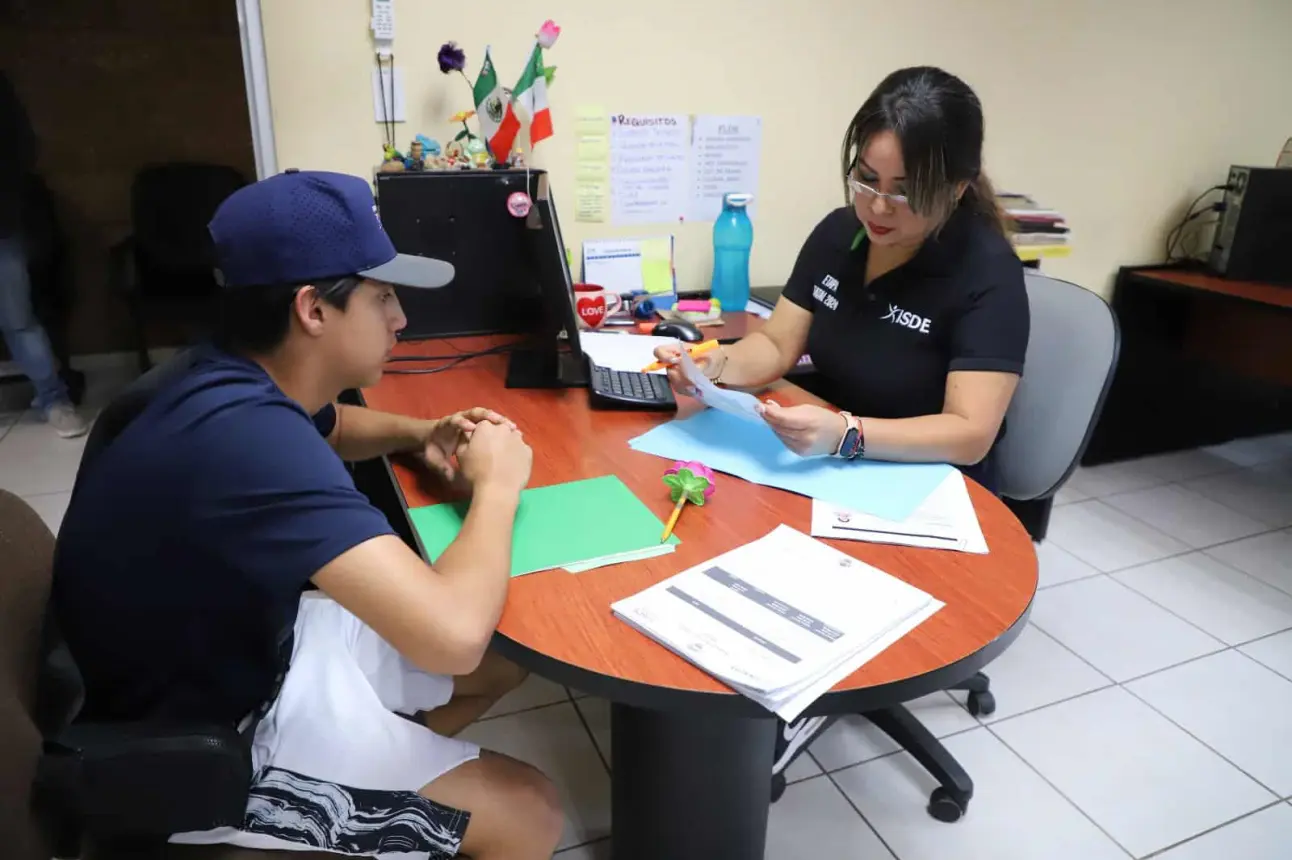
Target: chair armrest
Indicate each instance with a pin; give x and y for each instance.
(123, 275)
(146, 779)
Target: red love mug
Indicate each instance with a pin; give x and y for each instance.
(592, 304)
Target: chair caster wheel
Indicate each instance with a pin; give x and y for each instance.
(944, 807)
(778, 786)
(983, 703)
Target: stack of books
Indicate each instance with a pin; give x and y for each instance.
(1035, 231)
(780, 620)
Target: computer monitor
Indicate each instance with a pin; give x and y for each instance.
(553, 358)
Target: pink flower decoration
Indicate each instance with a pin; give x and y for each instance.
(692, 479)
(548, 34)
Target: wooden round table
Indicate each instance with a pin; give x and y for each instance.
(692, 759)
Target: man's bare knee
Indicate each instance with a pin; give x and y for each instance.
(542, 802)
(515, 809)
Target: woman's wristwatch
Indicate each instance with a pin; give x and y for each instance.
(853, 443)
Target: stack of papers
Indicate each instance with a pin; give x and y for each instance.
(781, 620)
(945, 520)
(578, 526)
(748, 449)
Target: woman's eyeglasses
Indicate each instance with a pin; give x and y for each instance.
(863, 190)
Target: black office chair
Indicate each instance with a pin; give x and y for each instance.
(165, 268)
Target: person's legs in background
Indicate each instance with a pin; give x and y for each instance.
(28, 343)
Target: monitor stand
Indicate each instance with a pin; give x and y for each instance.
(545, 366)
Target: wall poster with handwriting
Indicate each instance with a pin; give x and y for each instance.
(649, 167)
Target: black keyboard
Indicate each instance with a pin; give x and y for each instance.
(626, 389)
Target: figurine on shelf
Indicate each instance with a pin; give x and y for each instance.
(391, 161)
(455, 155)
(517, 157)
(432, 154)
(416, 158)
(478, 153)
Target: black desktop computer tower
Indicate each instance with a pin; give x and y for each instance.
(461, 216)
(1253, 240)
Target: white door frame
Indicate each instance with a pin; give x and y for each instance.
(256, 75)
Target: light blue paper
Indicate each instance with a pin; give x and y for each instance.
(750, 450)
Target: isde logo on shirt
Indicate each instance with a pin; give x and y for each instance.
(906, 319)
(831, 283)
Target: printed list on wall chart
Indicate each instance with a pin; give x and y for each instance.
(662, 168)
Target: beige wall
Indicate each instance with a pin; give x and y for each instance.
(1117, 113)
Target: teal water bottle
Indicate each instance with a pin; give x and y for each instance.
(733, 237)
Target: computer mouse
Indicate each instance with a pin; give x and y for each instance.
(680, 329)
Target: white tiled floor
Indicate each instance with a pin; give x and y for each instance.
(1143, 711)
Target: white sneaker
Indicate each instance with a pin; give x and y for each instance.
(792, 738)
(66, 421)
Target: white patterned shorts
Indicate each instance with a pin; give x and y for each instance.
(337, 769)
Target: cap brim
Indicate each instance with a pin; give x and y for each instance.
(407, 270)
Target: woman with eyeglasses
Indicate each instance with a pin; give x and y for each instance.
(910, 301)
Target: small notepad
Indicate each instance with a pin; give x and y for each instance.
(579, 525)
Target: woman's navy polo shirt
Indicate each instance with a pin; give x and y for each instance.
(884, 349)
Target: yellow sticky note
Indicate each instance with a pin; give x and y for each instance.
(591, 171)
(657, 265)
(591, 120)
(590, 201)
(592, 147)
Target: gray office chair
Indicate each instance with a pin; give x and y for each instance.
(1071, 357)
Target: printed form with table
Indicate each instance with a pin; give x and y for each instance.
(781, 640)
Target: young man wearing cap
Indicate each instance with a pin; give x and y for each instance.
(184, 554)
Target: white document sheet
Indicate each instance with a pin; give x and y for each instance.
(736, 402)
(617, 351)
(781, 620)
(944, 520)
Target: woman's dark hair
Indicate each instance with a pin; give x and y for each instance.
(255, 320)
(938, 121)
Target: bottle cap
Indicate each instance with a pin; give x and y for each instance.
(739, 198)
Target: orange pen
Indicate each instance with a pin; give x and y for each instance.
(693, 351)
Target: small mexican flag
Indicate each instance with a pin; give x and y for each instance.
(491, 102)
(530, 95)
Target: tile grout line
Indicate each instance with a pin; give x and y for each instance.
(1059, 791)
(591, 736)
(1204, 744)
(1159, 852)
(864, 820)
(1177, 665)
(596, 841)
(1242, 573)
(1188, 551)
(530, 709)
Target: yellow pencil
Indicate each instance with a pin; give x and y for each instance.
(693, 351)
(672, 520)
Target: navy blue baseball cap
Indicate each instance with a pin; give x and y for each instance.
(303, 226)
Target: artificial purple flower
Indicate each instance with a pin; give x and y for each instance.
(451, 58)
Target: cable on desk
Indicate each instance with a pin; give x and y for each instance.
(453, 360)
